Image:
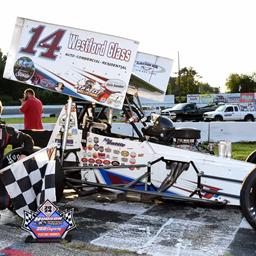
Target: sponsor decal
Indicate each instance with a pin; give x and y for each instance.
(96, 147)
(132, 161)
(98, 161)
(125, 153)
(101, 149)
(125, 160)
(115, 163)
(113, 143)
(101, 155)
(117, 152)
(106, 162)
(147, 67)
(91, 161)
(96, 140)
(108, 149)
(48, 222)
(84, 159)
(90, 147)
(133, 154)
(24, 69)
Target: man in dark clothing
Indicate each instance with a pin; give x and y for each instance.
(32, 108)
(11, 136)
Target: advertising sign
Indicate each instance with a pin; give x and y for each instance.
(150, 76)
(215, 98)
(247, 97)
(88, 65)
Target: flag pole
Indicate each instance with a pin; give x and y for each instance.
(65, 133)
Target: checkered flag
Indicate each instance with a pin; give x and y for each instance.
(28, 217)
(30, 181)
(68, 216)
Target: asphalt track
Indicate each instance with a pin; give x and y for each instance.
(109, 225)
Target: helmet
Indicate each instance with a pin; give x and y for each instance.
(162, 129)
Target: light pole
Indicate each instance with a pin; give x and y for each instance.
(179, 75)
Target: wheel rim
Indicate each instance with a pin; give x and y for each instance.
(252, 201)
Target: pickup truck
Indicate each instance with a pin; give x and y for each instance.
(187, 112)
(230, 113)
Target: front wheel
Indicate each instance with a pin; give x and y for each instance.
(248, 198)
(218, 118)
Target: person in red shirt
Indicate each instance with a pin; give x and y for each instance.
(32, 108)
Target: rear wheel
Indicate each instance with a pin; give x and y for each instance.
(248, 198)
(249, 118)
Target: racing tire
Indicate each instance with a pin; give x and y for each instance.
(252, 157)
(218, 118)
(249, 118)
(248, 198)
(13, 156)
(187, 133)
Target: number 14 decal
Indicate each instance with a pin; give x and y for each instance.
(50, 42)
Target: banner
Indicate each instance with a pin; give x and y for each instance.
(88, 65)
(150, 76)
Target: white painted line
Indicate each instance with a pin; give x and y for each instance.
(158, 236)
(152, 240)
(245, 224)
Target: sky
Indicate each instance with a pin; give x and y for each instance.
(215, 37)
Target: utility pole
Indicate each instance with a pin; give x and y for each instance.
(179, 75)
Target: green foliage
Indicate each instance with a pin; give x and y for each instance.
(240, 150)
(21, 120)
(241, 83)
(11, 91)
(187, 83)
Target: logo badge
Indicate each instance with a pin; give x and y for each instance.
(48, 222)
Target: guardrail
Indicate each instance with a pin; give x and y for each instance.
(48, 110)
(210, 131)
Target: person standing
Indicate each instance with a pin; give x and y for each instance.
(32, 108)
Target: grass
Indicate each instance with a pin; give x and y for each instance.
(21, 120)
(240, 150)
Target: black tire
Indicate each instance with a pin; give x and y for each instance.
(249, 118)
(218, 118)
(187, 133)
(13, 156)
(251, 158)
(248, 198)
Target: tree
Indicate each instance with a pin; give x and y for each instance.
(205, 88)
(188, 83)
(241, 83)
